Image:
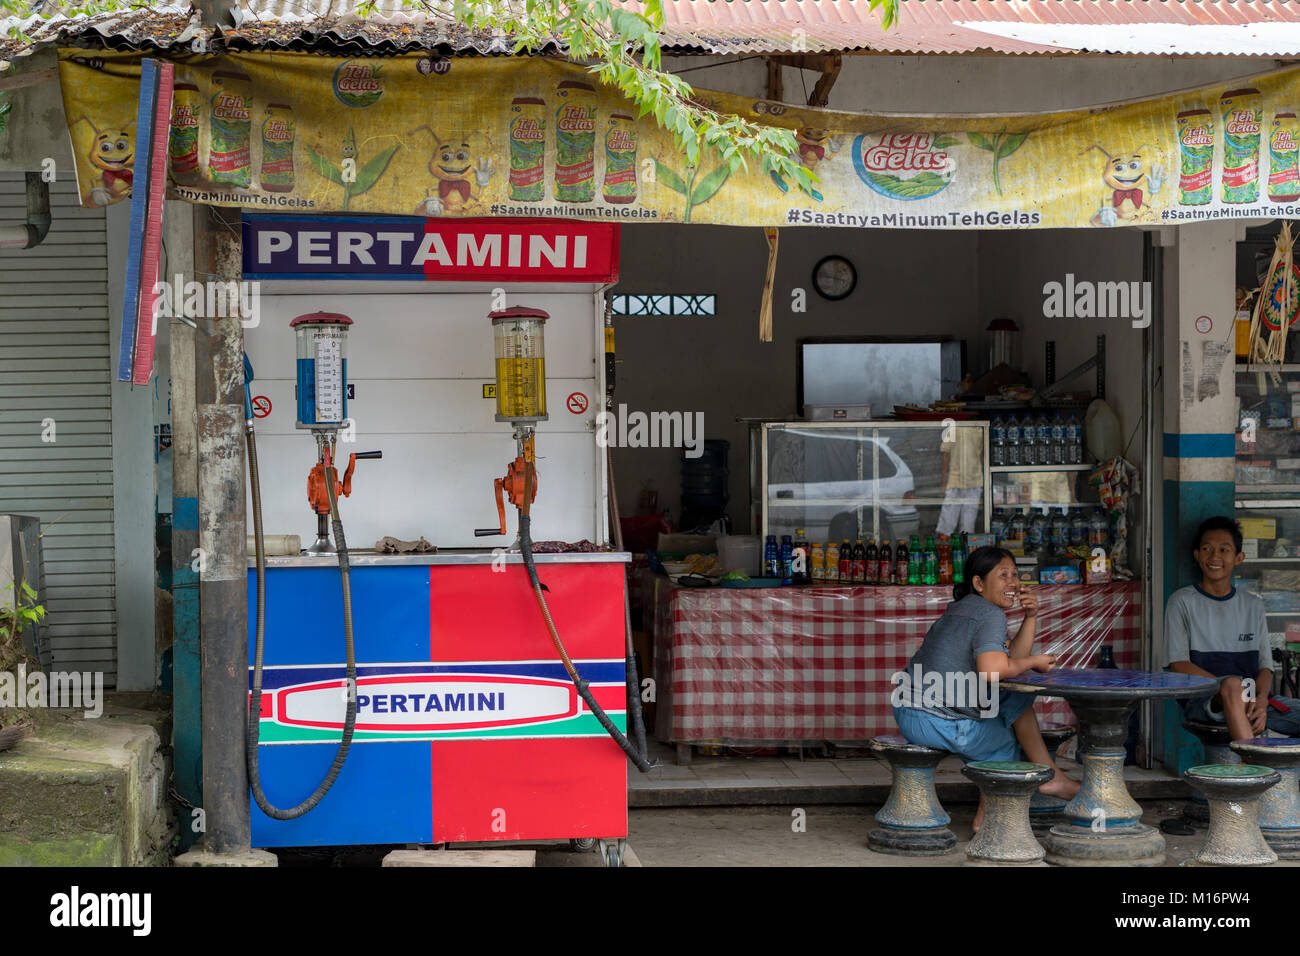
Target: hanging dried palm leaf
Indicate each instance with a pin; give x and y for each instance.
(1277, 304)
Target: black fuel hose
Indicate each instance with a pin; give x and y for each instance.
(584, 691)
(255, 701)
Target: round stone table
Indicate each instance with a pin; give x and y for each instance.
(1102, 825)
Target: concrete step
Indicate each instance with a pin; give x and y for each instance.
(85, 792)
(461, 858)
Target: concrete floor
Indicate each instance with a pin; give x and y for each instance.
(737, 780)
(739, 811)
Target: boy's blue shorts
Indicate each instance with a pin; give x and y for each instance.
(990, 738)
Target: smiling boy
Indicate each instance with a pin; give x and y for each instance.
(1216, 630)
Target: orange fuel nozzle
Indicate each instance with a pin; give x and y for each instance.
(512, 487)
(318, 492)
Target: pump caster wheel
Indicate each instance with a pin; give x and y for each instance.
(611, 852)
(582, 844)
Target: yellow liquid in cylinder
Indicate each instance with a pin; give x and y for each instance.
(521, 387)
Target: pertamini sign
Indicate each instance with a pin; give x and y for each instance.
(539, 138)
(468, 250)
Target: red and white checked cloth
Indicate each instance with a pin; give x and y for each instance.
(813, 664)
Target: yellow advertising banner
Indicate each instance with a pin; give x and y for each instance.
(496, 136)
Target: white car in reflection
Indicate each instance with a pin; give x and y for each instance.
(828, 504)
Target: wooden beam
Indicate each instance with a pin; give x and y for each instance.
(775, 81)
(822, 91)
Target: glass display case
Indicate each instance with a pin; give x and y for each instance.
(1268, 493)
(883, 480)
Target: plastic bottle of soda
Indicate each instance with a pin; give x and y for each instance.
(771, 558)
(945, 559)
(846, 562)
(859, 563)
(817, 563)
(930, 572)
(831, 572)
(886, 575)
(787, 551)
(901, 563)
(958, 558)
(800, 559)
(871, 573)
(914, 560)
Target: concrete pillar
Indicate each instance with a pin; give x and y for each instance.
(223, 591)
(186, 727)
(1199, 398)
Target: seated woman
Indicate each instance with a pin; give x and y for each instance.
(953, 706)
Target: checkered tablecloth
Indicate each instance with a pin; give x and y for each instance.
(813, 664)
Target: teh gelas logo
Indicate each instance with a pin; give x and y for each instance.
(576, 119)
(185, 115)
(525, 130)
(1243, 123)
(230, 106)
(1195, 136)
(358, 83)
(903, 165)
(1282, 140)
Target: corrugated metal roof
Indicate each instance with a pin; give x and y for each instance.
(968, 26)
(1130, 27)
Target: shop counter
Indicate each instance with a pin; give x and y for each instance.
(806, 665)
(468, 727)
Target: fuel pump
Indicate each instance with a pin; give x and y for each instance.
(322, 409)
(519, 346)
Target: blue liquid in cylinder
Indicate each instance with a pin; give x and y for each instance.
(307, 392)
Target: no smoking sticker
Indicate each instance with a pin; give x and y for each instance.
(577, 403)
(261, 406)
(1203, 324)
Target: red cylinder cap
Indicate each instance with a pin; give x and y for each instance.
(1002, 325)
(519, 312)
(320, 318)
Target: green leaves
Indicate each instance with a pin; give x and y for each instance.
(1002, 144)
(709, 185)
(371, 171)
(669, 178)
(324, 167)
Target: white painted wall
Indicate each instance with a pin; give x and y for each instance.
(976, 84)
(134, 488)
(418, 362)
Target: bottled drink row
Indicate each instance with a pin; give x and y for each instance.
(941, 561)
(1046, 532)
(1030, 440)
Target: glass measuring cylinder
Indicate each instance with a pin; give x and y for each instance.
(519, 344)
(322, 369)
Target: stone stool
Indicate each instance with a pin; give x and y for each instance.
(1233, 791)
(1006, 839)
(1215, 738)
(1279, 807)
(912, 821)
(1044, 811)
